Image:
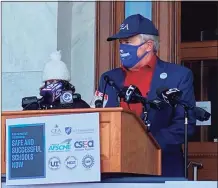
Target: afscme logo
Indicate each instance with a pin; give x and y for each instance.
(84, 144)
(61, 147)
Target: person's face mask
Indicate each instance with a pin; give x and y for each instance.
(128, 55)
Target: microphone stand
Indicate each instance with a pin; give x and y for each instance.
(203, 116)
(186, 108)
(186, 141)
(155, 104)
(175, 100)
(145, 112)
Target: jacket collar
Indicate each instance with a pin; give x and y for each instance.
(158, 79)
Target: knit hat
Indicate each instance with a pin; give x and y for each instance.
(55, 69)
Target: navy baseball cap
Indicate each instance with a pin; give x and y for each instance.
(134, 25)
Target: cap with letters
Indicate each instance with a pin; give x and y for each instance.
(134, 25)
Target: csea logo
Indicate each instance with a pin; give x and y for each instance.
(84, 145)
(64, 146)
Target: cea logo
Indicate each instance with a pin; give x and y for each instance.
(64, 146)
(84, 145)
(56, 131)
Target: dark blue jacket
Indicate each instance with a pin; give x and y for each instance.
(167, 125)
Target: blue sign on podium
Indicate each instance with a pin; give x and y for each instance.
(26, 150)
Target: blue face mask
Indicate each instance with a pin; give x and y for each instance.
(128, 55)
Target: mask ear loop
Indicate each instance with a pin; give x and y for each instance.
(146, 52)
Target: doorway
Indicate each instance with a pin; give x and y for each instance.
(199, 52)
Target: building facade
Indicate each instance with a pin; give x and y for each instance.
(33, 30)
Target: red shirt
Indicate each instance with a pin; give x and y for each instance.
(141, 79)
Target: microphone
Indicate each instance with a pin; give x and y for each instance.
(201, 114)
(133, 95)
(51, 92)
(70, 100)
(120, 92)
(170, 96)
(66, 97)
(99, 103)
(130, 94)
(96, 101)
(31, 103)
(111, 83)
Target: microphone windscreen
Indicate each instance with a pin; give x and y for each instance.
(201, 114)
(160, 90)
(30, 103)
(51, 92)
(29, 100)
(66, 97)
(98, 96)
(98, 103)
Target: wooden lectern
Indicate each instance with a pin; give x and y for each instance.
(125, 144)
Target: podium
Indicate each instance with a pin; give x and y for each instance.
(125, 144)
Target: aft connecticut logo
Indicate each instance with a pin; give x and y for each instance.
(88, 161)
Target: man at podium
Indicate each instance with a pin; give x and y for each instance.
(141, 67)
